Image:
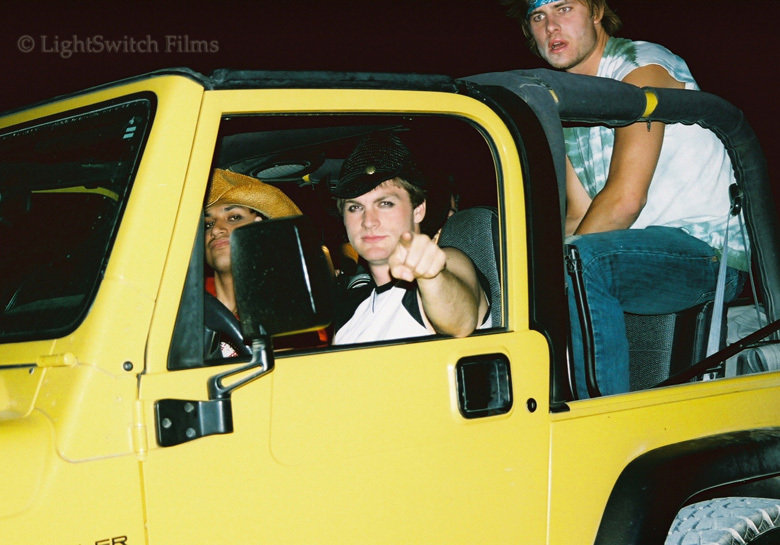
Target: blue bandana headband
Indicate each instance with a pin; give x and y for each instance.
(536, 4)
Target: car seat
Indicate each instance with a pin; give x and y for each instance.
(474, 231)
(661, 346)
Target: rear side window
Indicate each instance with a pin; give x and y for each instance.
(64, 182)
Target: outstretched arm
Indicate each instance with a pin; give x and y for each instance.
(451, 298)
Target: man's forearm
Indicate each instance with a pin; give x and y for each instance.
(610, 214)
(450, 306)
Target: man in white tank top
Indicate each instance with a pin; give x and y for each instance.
(646, 205)
(418, 288)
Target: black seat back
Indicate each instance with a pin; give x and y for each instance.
(474, 231)
(661, 345)
(658, 345)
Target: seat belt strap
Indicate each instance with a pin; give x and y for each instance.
(716, 322)
(761, 320)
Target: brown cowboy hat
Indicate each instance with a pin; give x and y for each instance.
(233, 188)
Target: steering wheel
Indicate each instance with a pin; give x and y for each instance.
(218, 319)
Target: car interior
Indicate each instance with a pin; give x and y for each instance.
(302, 156)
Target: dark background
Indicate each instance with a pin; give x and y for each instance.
(731, 46)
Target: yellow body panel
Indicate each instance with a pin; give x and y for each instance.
(593, 442)
(371, 450)
(68, 424)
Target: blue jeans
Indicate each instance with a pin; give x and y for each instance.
(657, 270)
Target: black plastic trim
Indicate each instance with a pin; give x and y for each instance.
(547, 298)
(182, 420)
(574, 269)
(186, 351)
(653, 487)
(186, 72)
(270, 79)
(484, 385)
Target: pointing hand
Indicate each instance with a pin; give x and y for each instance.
(416, 256)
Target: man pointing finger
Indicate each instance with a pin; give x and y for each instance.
(418, 288)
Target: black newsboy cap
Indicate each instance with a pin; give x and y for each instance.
(379, 157)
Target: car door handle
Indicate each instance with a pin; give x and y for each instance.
(484, 385)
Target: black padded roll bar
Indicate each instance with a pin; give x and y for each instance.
(603, 101)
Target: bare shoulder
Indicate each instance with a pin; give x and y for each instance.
(652, 75)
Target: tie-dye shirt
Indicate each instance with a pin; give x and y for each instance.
(690, 186)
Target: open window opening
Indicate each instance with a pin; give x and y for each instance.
(301, 157)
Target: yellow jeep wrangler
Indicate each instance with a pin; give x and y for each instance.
(119, 424)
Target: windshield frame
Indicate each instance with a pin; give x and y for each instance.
(49, 167)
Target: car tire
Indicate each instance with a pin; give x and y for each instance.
(727, 521)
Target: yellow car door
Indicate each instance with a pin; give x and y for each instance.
(391, 442)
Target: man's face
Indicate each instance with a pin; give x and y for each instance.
(376, 220)
(220, 220)
(566, 36)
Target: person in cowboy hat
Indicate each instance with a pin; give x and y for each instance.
(235, 200)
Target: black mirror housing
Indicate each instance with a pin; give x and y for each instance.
(283, 280)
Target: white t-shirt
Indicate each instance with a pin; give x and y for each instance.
(389, 312)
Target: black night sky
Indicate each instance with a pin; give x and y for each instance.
(731, 46)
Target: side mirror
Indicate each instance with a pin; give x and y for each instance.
(284, 283)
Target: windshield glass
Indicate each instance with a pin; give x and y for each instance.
(63, 185)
